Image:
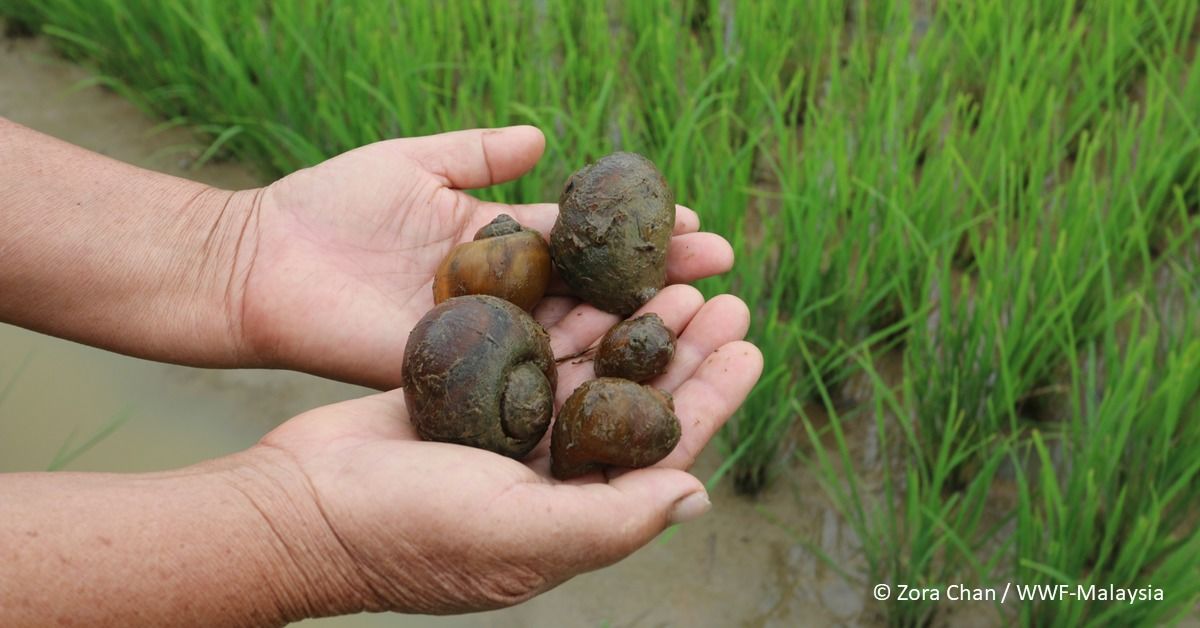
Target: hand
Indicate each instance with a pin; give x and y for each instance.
(438, 528)
(339, 260)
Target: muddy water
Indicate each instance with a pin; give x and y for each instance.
(733, 568)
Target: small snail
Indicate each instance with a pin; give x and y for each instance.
(637, 349)
(611, 421)
(609, 243)
(479, 371)
(504, 260)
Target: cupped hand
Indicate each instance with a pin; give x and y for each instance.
(338, 260)
(439, 528)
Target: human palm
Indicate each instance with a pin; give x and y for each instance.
(438, 528)
(344, 253)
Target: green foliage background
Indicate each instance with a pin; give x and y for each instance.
(998, 198)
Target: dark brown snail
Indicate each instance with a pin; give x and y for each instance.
(504, 260)
(609, 243)
(637, 349)
(611, 421)
(479, 371)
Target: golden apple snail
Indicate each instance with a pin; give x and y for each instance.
(637, 349)
(612, 422)
(504, 260)
(610, 240)
(479, 371)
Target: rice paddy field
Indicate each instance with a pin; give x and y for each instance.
(968, 233)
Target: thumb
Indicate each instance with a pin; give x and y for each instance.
(599, 524)
(478, 157)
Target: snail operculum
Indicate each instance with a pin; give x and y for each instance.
(527, 403)
(612, 422)
(504, 260)
(610, 240)
(638, 349)
(479, 371)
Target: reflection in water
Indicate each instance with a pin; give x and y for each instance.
(177, 415)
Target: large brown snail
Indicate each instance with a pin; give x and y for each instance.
(612, 422)
(609, 243)
(504, 260)
(637, 349)
(479, 371)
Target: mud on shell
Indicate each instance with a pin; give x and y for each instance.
(609, 243)
(479, 371)
(612, 422)
(638, 349)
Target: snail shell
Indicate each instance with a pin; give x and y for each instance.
(609, 242)
(504, 260)
(611, 421)
(479, 371)
(637, 349)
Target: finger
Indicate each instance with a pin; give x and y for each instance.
(541, 216)
(478, 157)
(676, 305)
(686, 220)
(594, 525)
(690, 257)
(537, 216)
(695, 256)
(711, 396)
(551, 310)
(579, 328)
(585, 324)
(722, 320)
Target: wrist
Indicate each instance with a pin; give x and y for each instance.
(230, 542)
(310, 571)
(226, 260)
(122, 258)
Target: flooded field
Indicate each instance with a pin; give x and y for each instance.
(735, 567)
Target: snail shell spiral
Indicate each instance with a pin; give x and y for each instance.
(479, 371)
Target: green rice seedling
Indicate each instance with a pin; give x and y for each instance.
(67, 453)
(759, 431)
(918, 523)
(848, 247)
(1055, 244)
(1122, 511)
(756, 433)
(11, 378)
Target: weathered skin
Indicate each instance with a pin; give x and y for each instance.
(610, 421)
(479, 371)
(504, 260)
(637, 349)
(610, 240)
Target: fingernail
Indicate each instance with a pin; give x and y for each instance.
(690, 508)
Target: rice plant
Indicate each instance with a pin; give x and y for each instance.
(1002, 195)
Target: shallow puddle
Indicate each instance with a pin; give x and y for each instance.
(732, 568)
